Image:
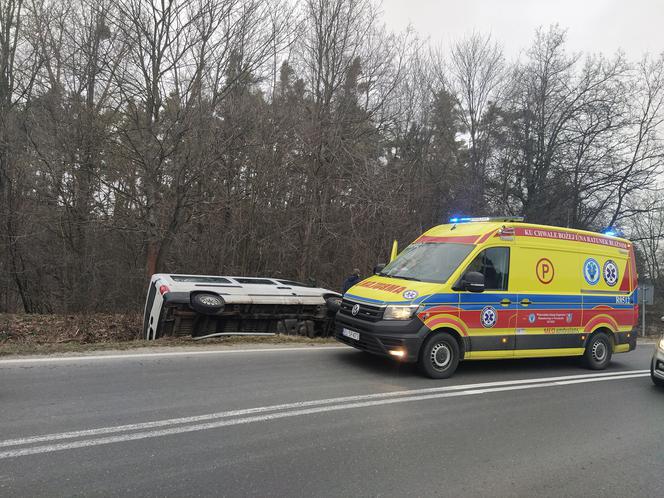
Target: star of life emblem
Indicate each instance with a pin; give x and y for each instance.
(488, 317)
(610, 273)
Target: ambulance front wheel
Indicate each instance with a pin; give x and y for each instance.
(439, 356)
(598, 352)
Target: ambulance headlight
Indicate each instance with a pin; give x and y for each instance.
(395, 312)
(661, 345)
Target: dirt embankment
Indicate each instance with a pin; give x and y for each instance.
(27, 334)
(42, 333)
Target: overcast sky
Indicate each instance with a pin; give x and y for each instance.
(635, 26)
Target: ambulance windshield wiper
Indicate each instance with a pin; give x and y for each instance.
(402, 277)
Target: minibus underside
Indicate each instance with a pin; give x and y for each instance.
(247, 319)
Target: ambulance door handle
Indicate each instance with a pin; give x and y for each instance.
(505, 302)
(526, 302)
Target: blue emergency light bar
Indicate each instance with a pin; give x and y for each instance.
(612, 232)
(457, 219)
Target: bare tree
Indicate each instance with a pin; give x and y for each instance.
(331, 51)
(567, 129)
(476, 73)
(18, 69)
(642, 156)
(10, 24)
(296, 140)
(648, 235)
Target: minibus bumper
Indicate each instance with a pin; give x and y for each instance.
(397, 339)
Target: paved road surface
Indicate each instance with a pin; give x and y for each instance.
(328, 422)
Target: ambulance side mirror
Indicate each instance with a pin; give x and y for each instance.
(473, 281)
(378, 268)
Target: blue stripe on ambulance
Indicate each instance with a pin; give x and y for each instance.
(471, 301)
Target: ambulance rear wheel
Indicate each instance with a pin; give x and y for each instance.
(598, 352)
(439, 357)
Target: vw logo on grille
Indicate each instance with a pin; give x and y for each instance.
(355, 310)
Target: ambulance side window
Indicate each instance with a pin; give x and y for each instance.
(494, 264)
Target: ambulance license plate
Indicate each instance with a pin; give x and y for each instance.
(351, 333)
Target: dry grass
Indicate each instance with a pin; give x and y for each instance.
(45, 334)
(75, 328)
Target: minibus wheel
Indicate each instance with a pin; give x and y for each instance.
(598, 352)
(439, 357)
(207, 303)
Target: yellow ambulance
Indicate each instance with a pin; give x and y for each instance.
(491, 288)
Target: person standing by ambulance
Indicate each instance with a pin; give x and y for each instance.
(351, 280)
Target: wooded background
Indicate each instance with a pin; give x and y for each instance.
(264, 137)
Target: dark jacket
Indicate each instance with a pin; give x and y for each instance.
(349, 282)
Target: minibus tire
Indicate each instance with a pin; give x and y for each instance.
(333, 304)
(200, 302)
(439, 349)
(598, 352)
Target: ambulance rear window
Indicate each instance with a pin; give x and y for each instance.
(428, 262)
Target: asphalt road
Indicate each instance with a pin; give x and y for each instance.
(328, 422)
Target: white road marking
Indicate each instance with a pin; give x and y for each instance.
(132, 356)
(292, 410)
(296, 405)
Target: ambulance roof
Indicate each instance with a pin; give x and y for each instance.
(477, 232)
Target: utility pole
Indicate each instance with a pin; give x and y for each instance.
(646, 294)
(644, 314)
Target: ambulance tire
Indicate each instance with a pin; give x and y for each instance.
(439, 356)
(598, 352)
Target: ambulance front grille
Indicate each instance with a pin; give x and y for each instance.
(366, 311)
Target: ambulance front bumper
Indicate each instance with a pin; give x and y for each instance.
(383, 337)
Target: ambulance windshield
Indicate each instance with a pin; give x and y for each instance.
(428, 262)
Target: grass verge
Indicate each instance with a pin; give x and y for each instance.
(52, 334)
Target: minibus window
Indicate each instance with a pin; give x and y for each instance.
(200, 279)
(428, 262)
(494, 264)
